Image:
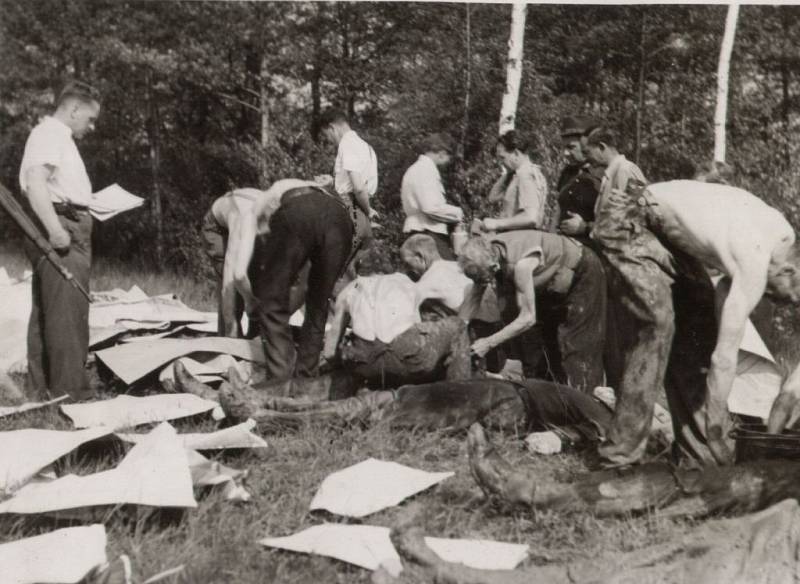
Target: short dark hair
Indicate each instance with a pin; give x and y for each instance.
(604, 135)
(513, 140)
(376, 259)
(79, 90)
(437, 143)
(332, 116)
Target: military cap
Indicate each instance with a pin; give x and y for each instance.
(577, 126)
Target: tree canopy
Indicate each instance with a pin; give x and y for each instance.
(201, 97)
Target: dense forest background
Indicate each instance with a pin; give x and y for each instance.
(201, 97)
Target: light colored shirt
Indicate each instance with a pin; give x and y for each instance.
(444, 281)
(526, 191)
(422, 194)
(355, 155)
(616, 176)
(51, 144)
(381, 306)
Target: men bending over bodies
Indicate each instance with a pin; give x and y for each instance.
(230, 232)
(655, 237)
(569, 278)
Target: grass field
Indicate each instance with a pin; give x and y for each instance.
(217, 542)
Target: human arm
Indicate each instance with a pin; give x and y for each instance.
(498, 189)
(574, 225)
(526, 301)
(360, 191)
(531, 194)
(235, 278)
(39, 198)
(429, 193)
(341, 317)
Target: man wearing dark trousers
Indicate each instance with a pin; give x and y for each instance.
(58, 192)
(310, 225)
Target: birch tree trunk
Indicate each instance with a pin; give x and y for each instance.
(721, 114)
(516, 41)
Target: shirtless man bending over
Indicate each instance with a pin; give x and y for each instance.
(753, 245)
(230, 229)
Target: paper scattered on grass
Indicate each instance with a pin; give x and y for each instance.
(26, 407)
(205, 372)
(62, 556)
(372, 485)
(210, 473)
(125, 411)
(23, 453)
(155, 472)
(132, 361)
(369, 546)
(239, 436)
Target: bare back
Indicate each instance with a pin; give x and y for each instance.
(234, 204)
(722, 226)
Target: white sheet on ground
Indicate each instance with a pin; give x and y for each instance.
(369, 546)
(372, 485)
(62, 556)
(15, 308)
(239, 436)
(155, 309)
(125, 411)
(26, 407)
(210, 473)
(132, 361)
(23, 453)
(155, 472)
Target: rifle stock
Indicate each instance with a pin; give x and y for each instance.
(29, 229)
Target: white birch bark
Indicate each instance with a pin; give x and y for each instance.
(516, 41)
(721, 113)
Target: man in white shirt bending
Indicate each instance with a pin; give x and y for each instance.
(53, 178)
(422, 194)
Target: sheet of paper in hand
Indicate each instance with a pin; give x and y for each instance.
(125, 411)
(369, 546)
(63, 556)
(372, 485)
(112, 201)
(23, 453)
(155, 472)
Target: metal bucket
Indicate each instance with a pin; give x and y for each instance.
(753, 442)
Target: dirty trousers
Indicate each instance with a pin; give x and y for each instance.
(309, 226)
(58, 330)
(428, 351)
(666, 326)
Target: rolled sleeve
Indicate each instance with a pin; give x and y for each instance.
(532, 193)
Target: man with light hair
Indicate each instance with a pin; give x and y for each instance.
(524, 264)
(231, 232)
(58, 191)
(439, 280)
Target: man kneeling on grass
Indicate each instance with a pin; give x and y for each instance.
(388, 344)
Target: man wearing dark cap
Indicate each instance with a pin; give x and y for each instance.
(579, 182)
(422, 193)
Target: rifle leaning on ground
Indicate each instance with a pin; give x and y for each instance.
(17, 213)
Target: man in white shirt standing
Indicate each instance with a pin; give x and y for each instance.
(355, 172)
(54, 180)
(422, 194)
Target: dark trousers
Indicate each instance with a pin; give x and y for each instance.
(666, 326)
(58, 330)
(309, 226)
(442, 243)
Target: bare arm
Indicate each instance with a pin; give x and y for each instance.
(526, 300)
(525, 219)
(235, 279)
(499, 187)
(338, 323)
(39, 198)
(360, 191)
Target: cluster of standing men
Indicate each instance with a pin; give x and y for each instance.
(616, 292)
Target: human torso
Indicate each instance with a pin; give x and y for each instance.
(551, 249)
(233, 204)
(422, 174)
(714, 222)
(355, 155)
(382, 306)
(514, 199)
(51, 143)
(578, 188)
(444, 281)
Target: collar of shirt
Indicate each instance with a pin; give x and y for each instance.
(428, 161)
(57, 125)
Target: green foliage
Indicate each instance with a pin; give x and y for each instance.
(201, 97)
